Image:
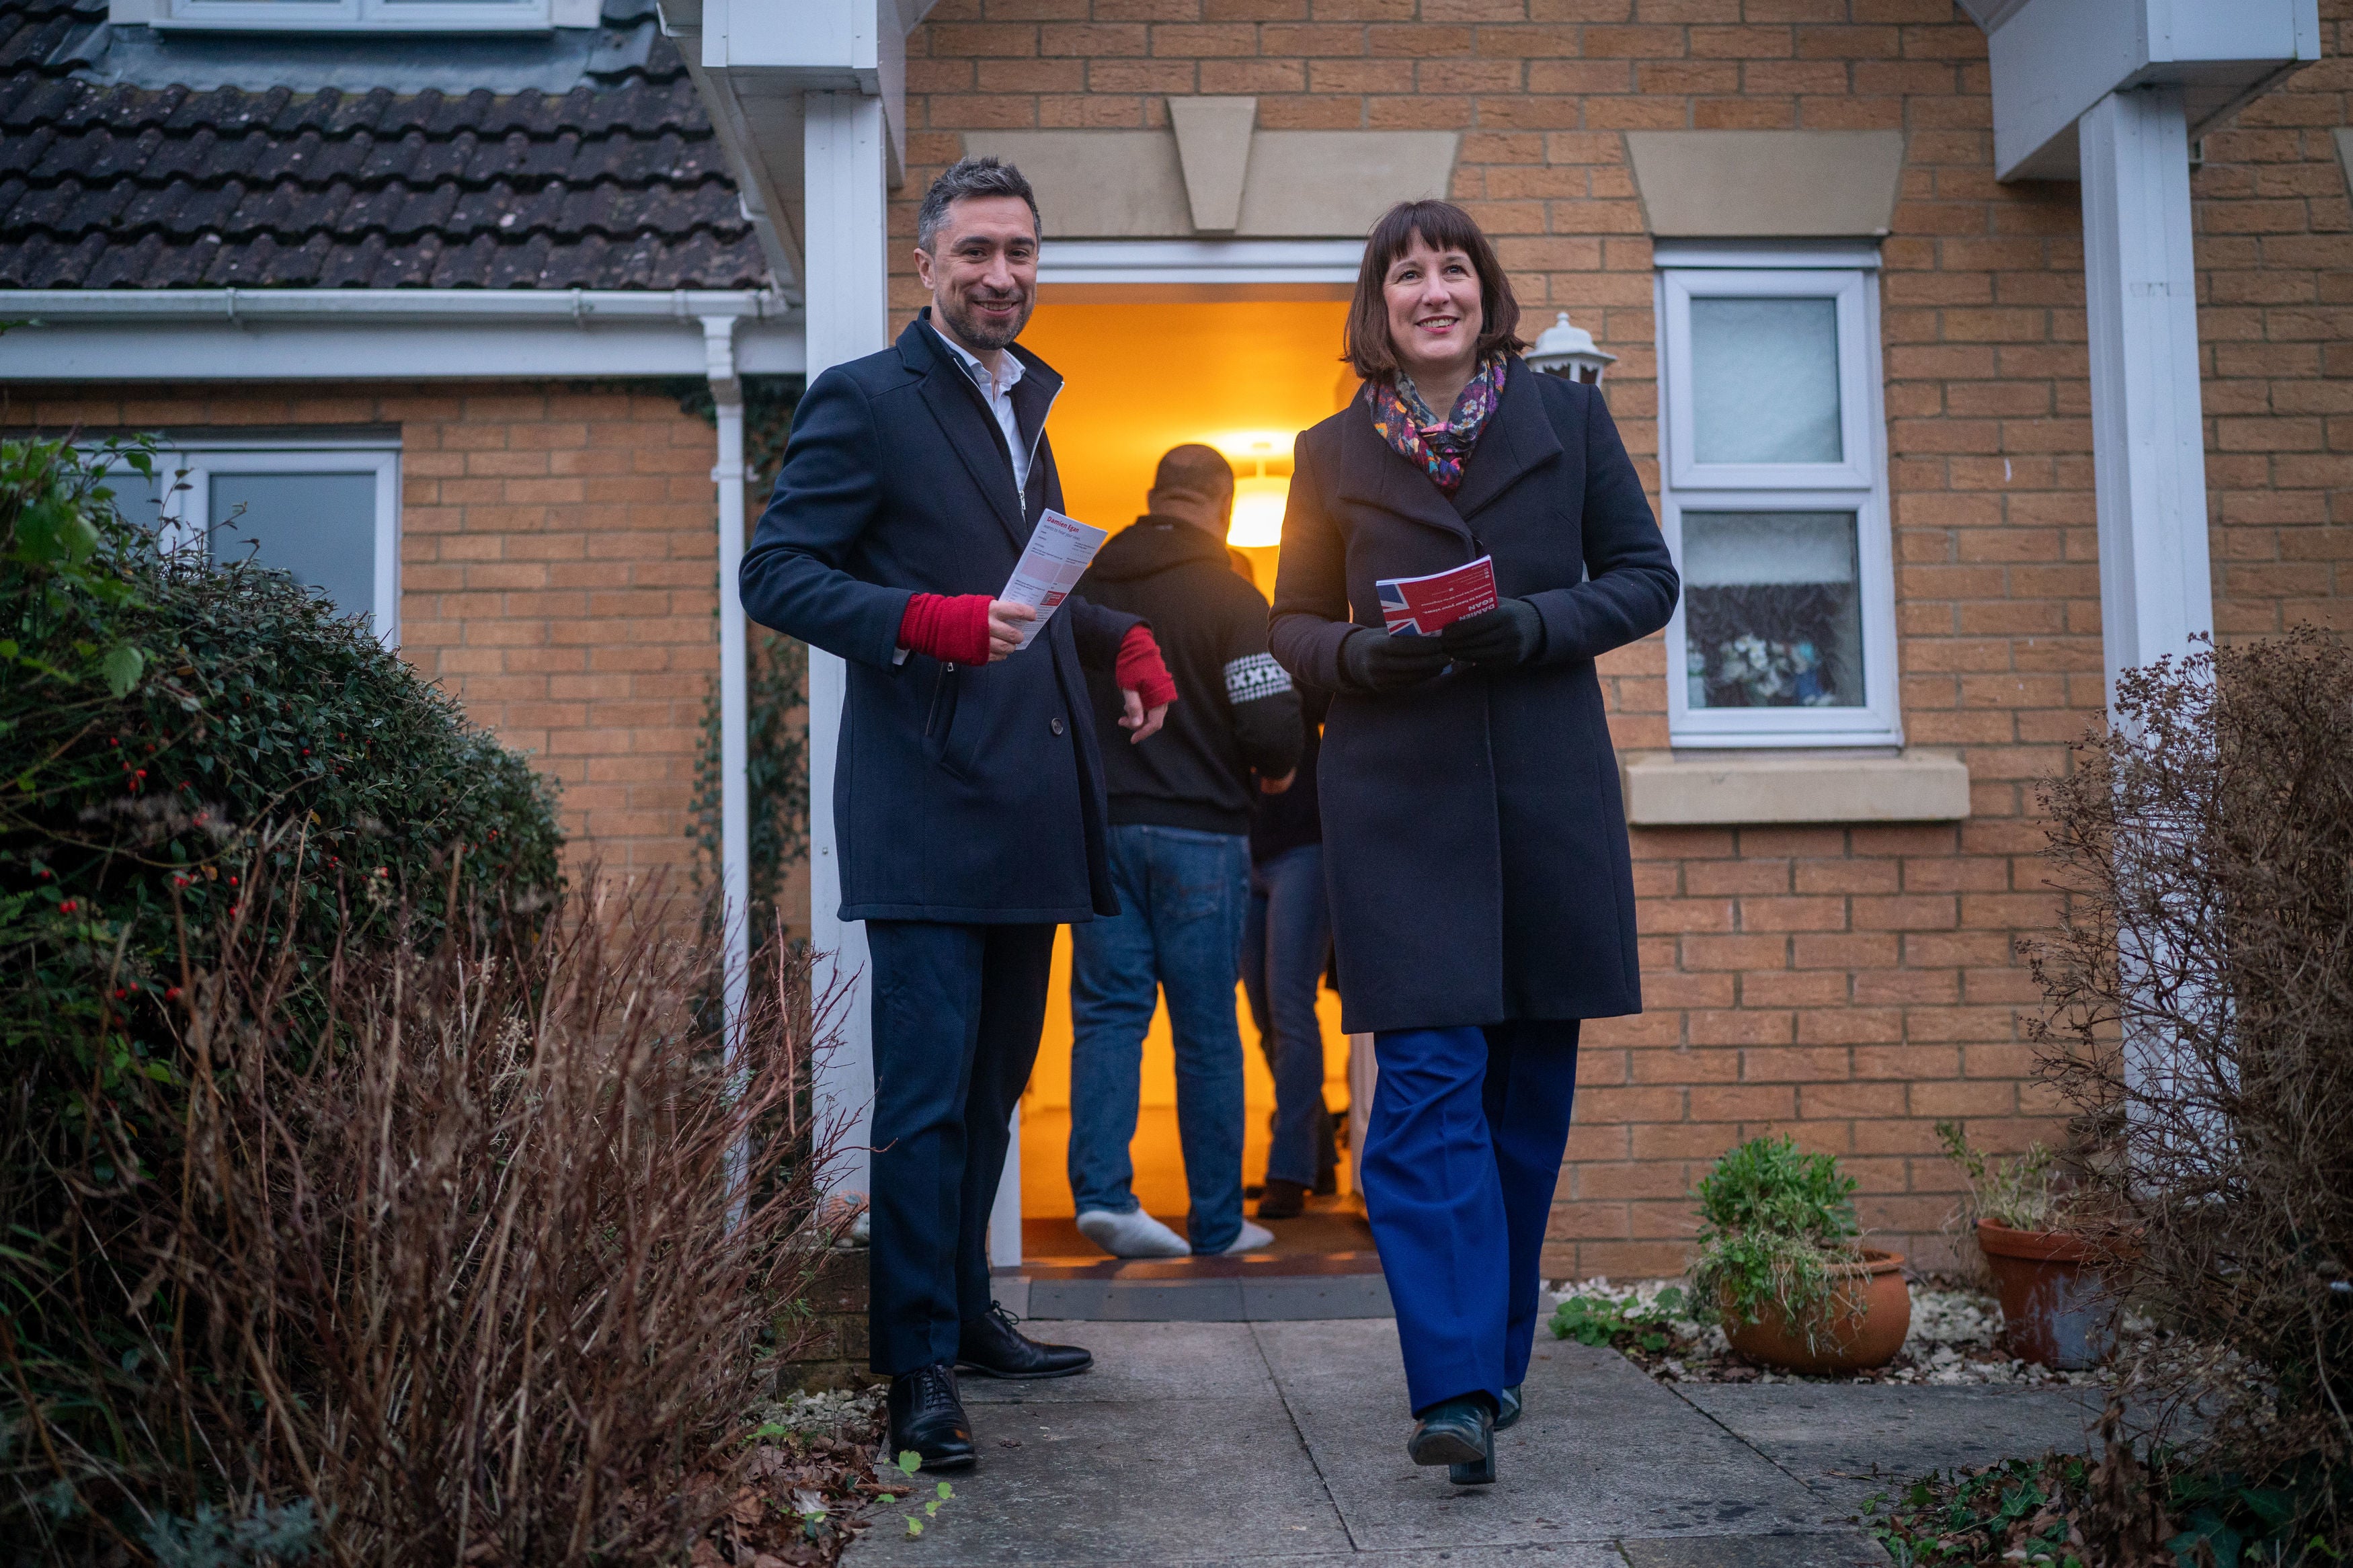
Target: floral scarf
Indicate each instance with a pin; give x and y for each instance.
(1438, 447)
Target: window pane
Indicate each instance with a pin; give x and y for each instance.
(1765, 381)
(319, 527)
(1772, 609)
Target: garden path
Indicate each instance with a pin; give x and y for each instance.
(1282, 1444)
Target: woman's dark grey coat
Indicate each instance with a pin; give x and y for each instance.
(1474, 837)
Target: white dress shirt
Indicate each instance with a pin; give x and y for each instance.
(998, 392)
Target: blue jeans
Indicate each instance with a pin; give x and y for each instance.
(1285, 938)
(1461, 1160)
(1179, 930)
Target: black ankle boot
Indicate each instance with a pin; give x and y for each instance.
(927, 1416)
(1458, 1433)
(1509, 1411)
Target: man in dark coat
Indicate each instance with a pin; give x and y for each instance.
(969, 797)
(1181, 856)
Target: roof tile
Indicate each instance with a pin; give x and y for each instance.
(616, 183)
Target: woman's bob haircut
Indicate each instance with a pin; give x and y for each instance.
(1442, 227)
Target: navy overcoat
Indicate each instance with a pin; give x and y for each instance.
(1474, 837)
(967, 794)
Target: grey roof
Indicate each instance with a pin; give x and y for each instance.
(576, 159)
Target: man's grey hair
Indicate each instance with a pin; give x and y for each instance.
(966, 178)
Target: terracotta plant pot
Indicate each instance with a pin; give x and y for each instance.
(1861, 1326)
(2054, 1302)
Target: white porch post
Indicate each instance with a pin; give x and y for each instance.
(2149, 438)
(848, 316)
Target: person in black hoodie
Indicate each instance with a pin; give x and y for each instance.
(1180, 815)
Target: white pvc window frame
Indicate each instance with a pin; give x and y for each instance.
(1857, 483)
(187, 474)
(359, 16)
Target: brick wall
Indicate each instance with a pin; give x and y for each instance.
(1849, 985)
(558, 571)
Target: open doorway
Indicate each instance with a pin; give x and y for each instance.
(1144, 371)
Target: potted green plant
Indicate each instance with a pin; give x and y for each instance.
(1781, 1263)
(2056, 1306)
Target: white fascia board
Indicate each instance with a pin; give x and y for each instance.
(578, 306)
(1222, 261)
(817, 46)
(2053, 60)
(122, 336)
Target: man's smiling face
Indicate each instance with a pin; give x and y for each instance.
(982, 271)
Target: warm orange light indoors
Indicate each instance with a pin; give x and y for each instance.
(1246, 377)
(1139, 379)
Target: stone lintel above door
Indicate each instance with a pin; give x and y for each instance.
(1180, 183)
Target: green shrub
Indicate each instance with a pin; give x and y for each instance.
(1771, 1220)
(175, 734)
(165, 720)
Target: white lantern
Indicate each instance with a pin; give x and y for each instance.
(1566, 351)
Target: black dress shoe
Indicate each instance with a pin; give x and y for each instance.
(927, 1416)
(1458, 1433)
(1283, 1200)
(991, 1347)
(1509, 1411)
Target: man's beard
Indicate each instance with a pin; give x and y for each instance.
(976, 333)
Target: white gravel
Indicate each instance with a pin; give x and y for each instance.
(1954, 1342)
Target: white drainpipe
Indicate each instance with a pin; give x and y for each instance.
(734, 719)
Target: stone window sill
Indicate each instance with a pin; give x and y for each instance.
(1693, 789)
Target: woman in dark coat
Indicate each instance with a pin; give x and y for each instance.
(1482, 897)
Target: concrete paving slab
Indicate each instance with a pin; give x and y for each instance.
(1841, 1549)
(1603, 1452)
(1573, 1555)
(1847, 1441)
(1136, 1363)
(1164, 1480)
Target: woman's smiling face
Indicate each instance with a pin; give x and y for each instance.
(1435, 317)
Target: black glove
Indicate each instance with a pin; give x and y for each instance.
(1502, 639)
(1376, 661)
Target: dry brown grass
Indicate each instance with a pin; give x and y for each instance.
(486, 1268)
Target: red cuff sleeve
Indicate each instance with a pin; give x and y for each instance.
(1140, 669)
(953, 630)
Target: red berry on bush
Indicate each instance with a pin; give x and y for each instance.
(69, 906)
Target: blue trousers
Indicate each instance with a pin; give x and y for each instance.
(1460, 1162)
(957, 1010)
(1179, 931)
(1285, 938)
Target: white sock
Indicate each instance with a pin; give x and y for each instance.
(1132, 1234)
(1251, 1239)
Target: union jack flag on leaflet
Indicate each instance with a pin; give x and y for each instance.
(1420, 607)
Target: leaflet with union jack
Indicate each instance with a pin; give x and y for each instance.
(1419, 606)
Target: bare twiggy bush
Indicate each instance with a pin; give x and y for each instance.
(487, 1269)
(2201, 985)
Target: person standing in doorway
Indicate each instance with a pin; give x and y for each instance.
(1482, 897)
(1180, 859)
(969, 797)
(1286, 941)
